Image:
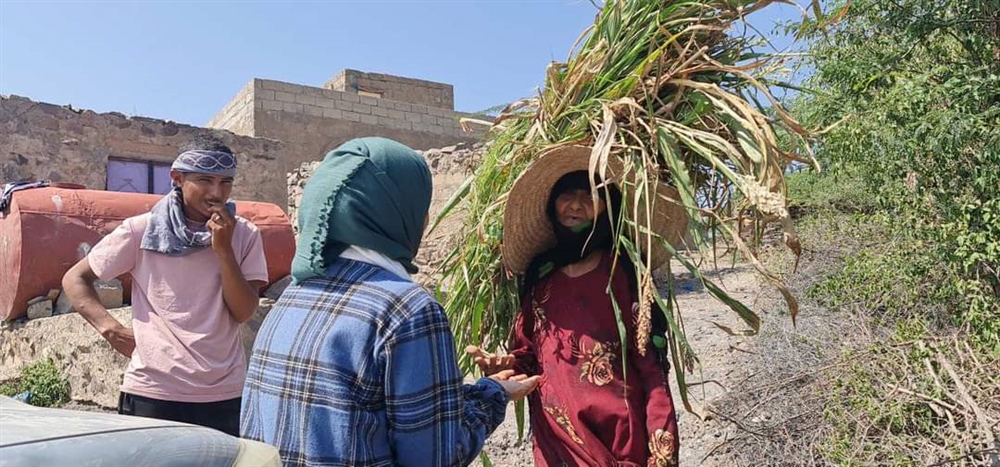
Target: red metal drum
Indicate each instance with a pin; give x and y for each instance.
(47, 230)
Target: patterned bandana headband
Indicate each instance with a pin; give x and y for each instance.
(206, 162)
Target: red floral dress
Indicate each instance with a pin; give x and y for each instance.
(586, 412)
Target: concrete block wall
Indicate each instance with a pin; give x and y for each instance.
(237, 115)
(313, 121)
(277, 96)
(396, 88)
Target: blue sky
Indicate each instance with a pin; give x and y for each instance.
(183, 61)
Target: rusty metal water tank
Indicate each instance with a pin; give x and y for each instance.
(47, 230)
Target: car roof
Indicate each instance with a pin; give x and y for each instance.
(23, 423)
(31, 436)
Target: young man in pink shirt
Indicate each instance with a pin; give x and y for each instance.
(196, 274)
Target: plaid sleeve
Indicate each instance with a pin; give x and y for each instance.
(435, 420)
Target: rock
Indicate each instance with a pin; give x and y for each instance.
(24, 397)
(40, 307)
(110, 293)
(503, 447)
(276, 289)
(53, 295)
(63, 305)
(248, 330)
(169, 129)
(92, 367)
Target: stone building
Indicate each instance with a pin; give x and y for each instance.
(311, 121)
(109, 151)
(273, 126)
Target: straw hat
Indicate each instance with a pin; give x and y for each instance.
(527, 230)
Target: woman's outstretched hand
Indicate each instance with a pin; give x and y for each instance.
(516, 386)
(488, 363)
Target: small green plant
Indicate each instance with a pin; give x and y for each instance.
(45, 382)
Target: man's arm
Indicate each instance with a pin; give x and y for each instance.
(241, 296)
(78, 284)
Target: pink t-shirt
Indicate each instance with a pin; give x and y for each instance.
(187, 344)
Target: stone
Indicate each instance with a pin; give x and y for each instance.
(278, 287)
(110, 292)
(40, 307)
(53, 295)
(92, 367)
(248, 330)
(169, 129)
(63, 305)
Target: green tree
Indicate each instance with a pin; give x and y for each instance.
(911, 89)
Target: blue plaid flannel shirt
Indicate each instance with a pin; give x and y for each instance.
(359, 368)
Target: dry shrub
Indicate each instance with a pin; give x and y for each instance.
(860, 386)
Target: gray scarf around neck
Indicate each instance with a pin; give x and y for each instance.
(167, 231)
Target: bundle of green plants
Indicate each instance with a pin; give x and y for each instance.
(672, 92)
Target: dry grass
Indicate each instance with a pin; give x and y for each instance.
(862, 387)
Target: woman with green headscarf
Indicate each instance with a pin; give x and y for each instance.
(356, 364)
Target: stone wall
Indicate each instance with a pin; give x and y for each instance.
(396, 88)
(93, 369)
(40, 141)
(450, 167)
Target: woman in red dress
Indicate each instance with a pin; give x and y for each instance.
(587, 411)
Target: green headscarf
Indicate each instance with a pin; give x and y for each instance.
(373, 193)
